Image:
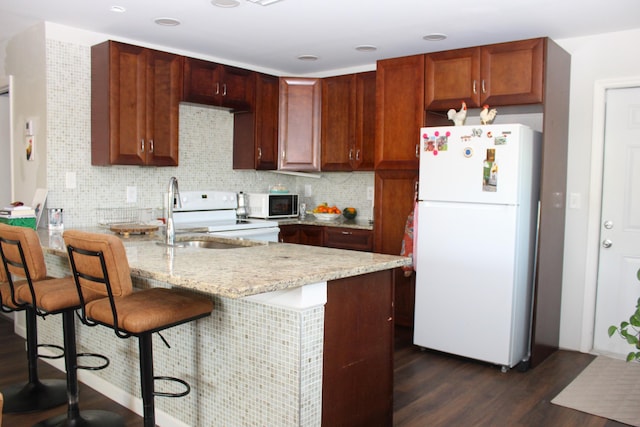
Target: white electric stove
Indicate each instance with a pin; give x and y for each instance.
(214, 212)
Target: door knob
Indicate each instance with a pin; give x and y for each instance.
(608, 225)
(606, 243)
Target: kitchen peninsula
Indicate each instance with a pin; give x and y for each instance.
(299, 336)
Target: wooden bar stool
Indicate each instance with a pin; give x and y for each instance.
(22, 254)
(37, 394)
(99, 264)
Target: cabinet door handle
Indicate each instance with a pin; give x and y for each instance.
(357, 154)
(224, 89)
(474, 87)
(418, 150)
(259, 153)
(347, 233)
(484, 90)
(142, 145)
(351, 154)
(151, 145)
(217, 88)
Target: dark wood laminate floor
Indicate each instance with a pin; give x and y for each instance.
(431, 389)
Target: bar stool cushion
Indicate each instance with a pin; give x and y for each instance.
(150, 310)
(52, 295)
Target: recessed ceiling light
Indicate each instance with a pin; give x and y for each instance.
(167, 22)
(366, 48)
(435, 37)
(117, 9)
(225, 3)
(308, 58)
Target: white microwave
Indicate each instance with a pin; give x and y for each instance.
(270, 205)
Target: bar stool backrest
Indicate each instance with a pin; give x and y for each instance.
(13, 241)
(99, 263)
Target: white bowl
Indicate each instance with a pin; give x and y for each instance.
(326, 216)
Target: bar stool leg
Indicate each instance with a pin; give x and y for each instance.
(74, 417)
(145, 345)
(36, 394)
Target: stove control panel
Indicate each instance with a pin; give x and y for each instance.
(207, 200)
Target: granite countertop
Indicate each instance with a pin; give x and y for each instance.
(250, 269)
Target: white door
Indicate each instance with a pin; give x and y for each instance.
(618, 285)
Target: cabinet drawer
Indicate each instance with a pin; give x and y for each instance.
(348, 238)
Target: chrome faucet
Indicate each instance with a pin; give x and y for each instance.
(172, 196)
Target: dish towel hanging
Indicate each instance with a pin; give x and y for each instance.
(408, 248)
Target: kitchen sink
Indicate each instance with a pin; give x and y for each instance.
(210, 244)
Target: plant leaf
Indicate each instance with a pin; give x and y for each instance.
(612, 330)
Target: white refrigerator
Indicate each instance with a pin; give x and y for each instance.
(475, 241)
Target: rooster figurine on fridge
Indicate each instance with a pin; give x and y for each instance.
(458, 117)
(487, 116)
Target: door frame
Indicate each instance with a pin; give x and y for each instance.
(594, 212)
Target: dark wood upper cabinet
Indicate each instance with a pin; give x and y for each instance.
(218, 85)
(135, 97)
(499, 74)
(348, 122)
(363, 156)
(338, 122)
(399, 112)
(255, 133)
(299, 124)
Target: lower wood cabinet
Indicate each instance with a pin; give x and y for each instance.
(405, 298)
(357, 379)
(331, 237)
(348, 238)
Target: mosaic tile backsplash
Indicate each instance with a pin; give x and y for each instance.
(206, 144)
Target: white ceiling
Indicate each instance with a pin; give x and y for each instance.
(272, 37)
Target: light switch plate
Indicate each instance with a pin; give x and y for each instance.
(132, 194)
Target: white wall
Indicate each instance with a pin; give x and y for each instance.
(593, 59)
(25, 61)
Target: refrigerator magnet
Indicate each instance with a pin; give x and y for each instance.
(442, 143)
(500, 140)
(468, 152)
(429, 142)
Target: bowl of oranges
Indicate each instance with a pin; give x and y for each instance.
(324, 212)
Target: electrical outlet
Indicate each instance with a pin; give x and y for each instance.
(70, 180)
(308, 191)
(369, 193)
(132, 194)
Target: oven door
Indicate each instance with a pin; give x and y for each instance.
(268, 234)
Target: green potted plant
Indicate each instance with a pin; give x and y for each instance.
(630, 331)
